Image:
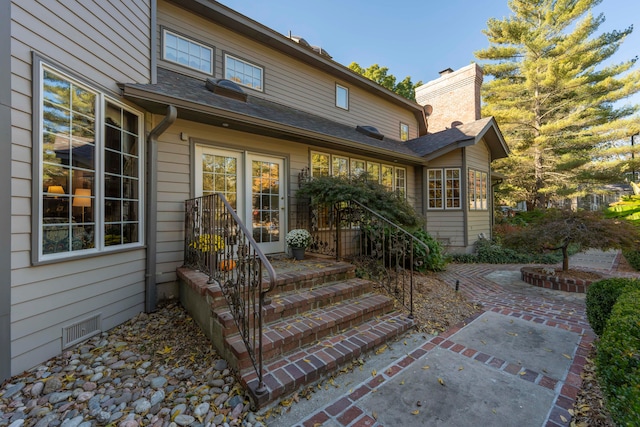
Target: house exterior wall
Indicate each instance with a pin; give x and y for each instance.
(446, 225)
(5, 190)
(176, 165)
(313, 90)
(478, 221)
(101, 44)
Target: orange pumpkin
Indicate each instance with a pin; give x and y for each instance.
(227, 265)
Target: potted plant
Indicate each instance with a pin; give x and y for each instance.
(298, 240)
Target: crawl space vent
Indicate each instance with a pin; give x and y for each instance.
(80, 331)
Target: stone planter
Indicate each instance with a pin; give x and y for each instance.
(533, 276)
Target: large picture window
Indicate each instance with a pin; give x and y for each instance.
(90, 169)
(443, 188)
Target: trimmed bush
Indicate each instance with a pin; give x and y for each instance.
(618, 360)
(633, 258)
(601, 297)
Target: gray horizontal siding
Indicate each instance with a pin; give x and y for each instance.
(103, 43)
(287, 81)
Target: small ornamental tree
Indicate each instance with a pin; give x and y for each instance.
(557, 229)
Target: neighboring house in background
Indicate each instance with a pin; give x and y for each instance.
(116, 115)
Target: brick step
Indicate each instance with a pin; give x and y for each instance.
(297, 303)
(310, 364)
(292, 333)
(314, 275)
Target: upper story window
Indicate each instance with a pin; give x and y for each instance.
(443, 188)
(244, 73)
(187, 52)
(342, 97)
(404, 132)
(89, 172)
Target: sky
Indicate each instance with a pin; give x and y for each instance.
(416, 38)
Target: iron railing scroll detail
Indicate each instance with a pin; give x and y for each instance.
(381, 250)
(219, 244)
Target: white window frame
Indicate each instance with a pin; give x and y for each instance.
(404, 132)
(478, 190)
(440, 203)
(99, 220)
(251, 65)
(191, 43)
(398, 179)
(342, 96)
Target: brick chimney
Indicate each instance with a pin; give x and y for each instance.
(454, 97)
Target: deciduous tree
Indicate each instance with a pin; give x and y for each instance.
(381, 76)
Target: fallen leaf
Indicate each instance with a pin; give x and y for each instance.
(460, 368)
(441, 381)
(564, 420)
(513, 334)
(416, 412)
(426, 367)
(567, 356)
(381, 349)
(402, 382)
(374, 373)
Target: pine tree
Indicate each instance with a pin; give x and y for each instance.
(553, 97)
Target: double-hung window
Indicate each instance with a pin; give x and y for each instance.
(90, 169)
(443, 188)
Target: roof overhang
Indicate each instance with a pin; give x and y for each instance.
(157, 103)
(490, 133)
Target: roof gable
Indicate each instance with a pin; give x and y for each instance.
(437, 144)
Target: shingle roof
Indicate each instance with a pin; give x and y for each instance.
(196, 102)
(437, 144)
(178, 86)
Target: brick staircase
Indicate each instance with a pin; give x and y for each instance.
(318, 318)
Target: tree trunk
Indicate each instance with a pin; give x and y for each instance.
(538, 165)
(565, 258)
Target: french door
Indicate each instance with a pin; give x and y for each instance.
(253, 185)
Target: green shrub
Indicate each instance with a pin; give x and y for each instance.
(489, 252)
(633, 258)
(436, 260)
(601, 297)
(464, 258)
(618, 360)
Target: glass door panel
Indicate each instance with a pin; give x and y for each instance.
(267, 202)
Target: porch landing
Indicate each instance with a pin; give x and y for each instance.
(318, 318)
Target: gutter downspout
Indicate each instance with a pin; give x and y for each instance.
(152, 203)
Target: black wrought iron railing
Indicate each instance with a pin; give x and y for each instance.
(381, 250)
(219, 244)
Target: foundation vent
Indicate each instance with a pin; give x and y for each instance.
(79, 331)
